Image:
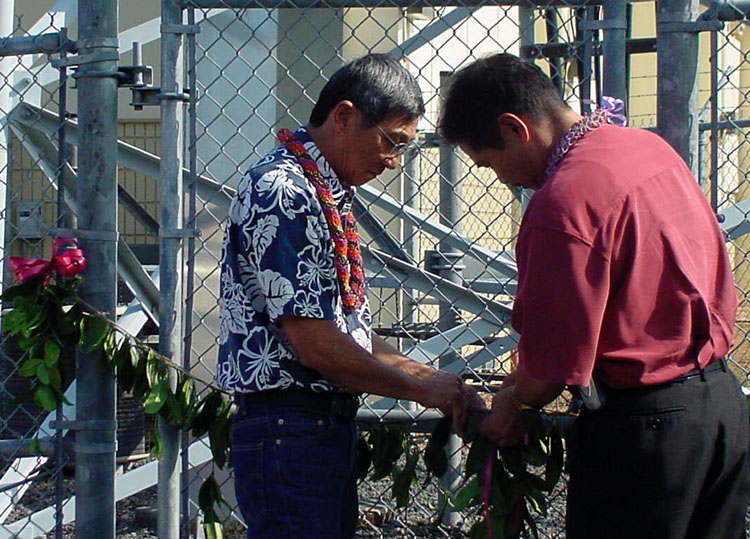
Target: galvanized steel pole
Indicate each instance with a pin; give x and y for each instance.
(170, 252)
(615, 25)
(448, 265)
(677, 114)
(96, 194)
(6, 68)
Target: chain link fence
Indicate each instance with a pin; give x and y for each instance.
(439, 234)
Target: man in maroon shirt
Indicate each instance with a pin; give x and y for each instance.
(623, 276)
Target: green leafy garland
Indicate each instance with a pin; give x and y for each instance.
(520, 478)
(47, 318)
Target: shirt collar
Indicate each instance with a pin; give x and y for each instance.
(341, 194)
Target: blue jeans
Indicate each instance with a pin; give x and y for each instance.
(294, 473)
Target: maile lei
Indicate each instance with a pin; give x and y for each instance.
(347, 254)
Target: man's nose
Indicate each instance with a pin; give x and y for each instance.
(392, 161)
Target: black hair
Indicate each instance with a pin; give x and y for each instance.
(480, 92)
(378, 85)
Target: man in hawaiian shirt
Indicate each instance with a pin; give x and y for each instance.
(296, 344)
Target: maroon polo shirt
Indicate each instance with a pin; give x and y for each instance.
(622, 267)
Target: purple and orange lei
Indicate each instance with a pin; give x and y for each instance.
(347, 255)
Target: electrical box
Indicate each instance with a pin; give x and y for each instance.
(29, 219)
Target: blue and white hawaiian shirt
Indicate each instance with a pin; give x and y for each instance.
(277, 260)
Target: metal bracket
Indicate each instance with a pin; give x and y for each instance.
(98, 43)
(136, 76)
(91, 424)
(176, 233)
(80, 59)
(178, 96)
(689, 26)
(80, 74)
(92, 235)
(180, 29)
(605, 24)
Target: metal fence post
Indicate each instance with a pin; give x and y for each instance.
(449, 267)
(97, 224)
(6, 66)
(677, 114)
(170, 253)
(614, 79)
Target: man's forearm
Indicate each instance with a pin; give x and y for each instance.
(534, 391)
(387, 354)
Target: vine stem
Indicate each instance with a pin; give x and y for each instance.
(93, 311)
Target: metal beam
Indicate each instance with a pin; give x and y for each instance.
(492, 259)
(128, 156)
(428, 283)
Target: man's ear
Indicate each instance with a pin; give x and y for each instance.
(344, 115)
(512, 125)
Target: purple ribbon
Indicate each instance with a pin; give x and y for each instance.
(487, 494)
(616, 108)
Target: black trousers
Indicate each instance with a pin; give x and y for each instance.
(665, 463)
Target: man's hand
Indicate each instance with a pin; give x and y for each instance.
(447, 393)
(506, 425)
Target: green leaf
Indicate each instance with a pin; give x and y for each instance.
(554, 462)
(500, 503)
(513, 459)
(535, 452)
(213, 529)
(94, 330)
(364, 459)
(537, 500)
(387, 447)
(110, 347)
(478, 530)
(219, 439)
(466, 496)
(403, 480)
(55, 380)
(471, 429)
(156, 439)
(206, 412)
(207, 494)
(34, 446)
(156, 398)
(14, 321)
(51, 353)
(173, 412)
(29, 288)
(29, 367)
(45, 397)
(479, 452)
(42, 372)
(435, 457)
(154, 370)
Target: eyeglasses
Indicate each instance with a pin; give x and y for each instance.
(397, 148)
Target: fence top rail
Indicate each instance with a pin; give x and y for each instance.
(303, 4)
(50, 43)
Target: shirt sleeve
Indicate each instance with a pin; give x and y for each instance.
(563, 285)
(289, 255)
